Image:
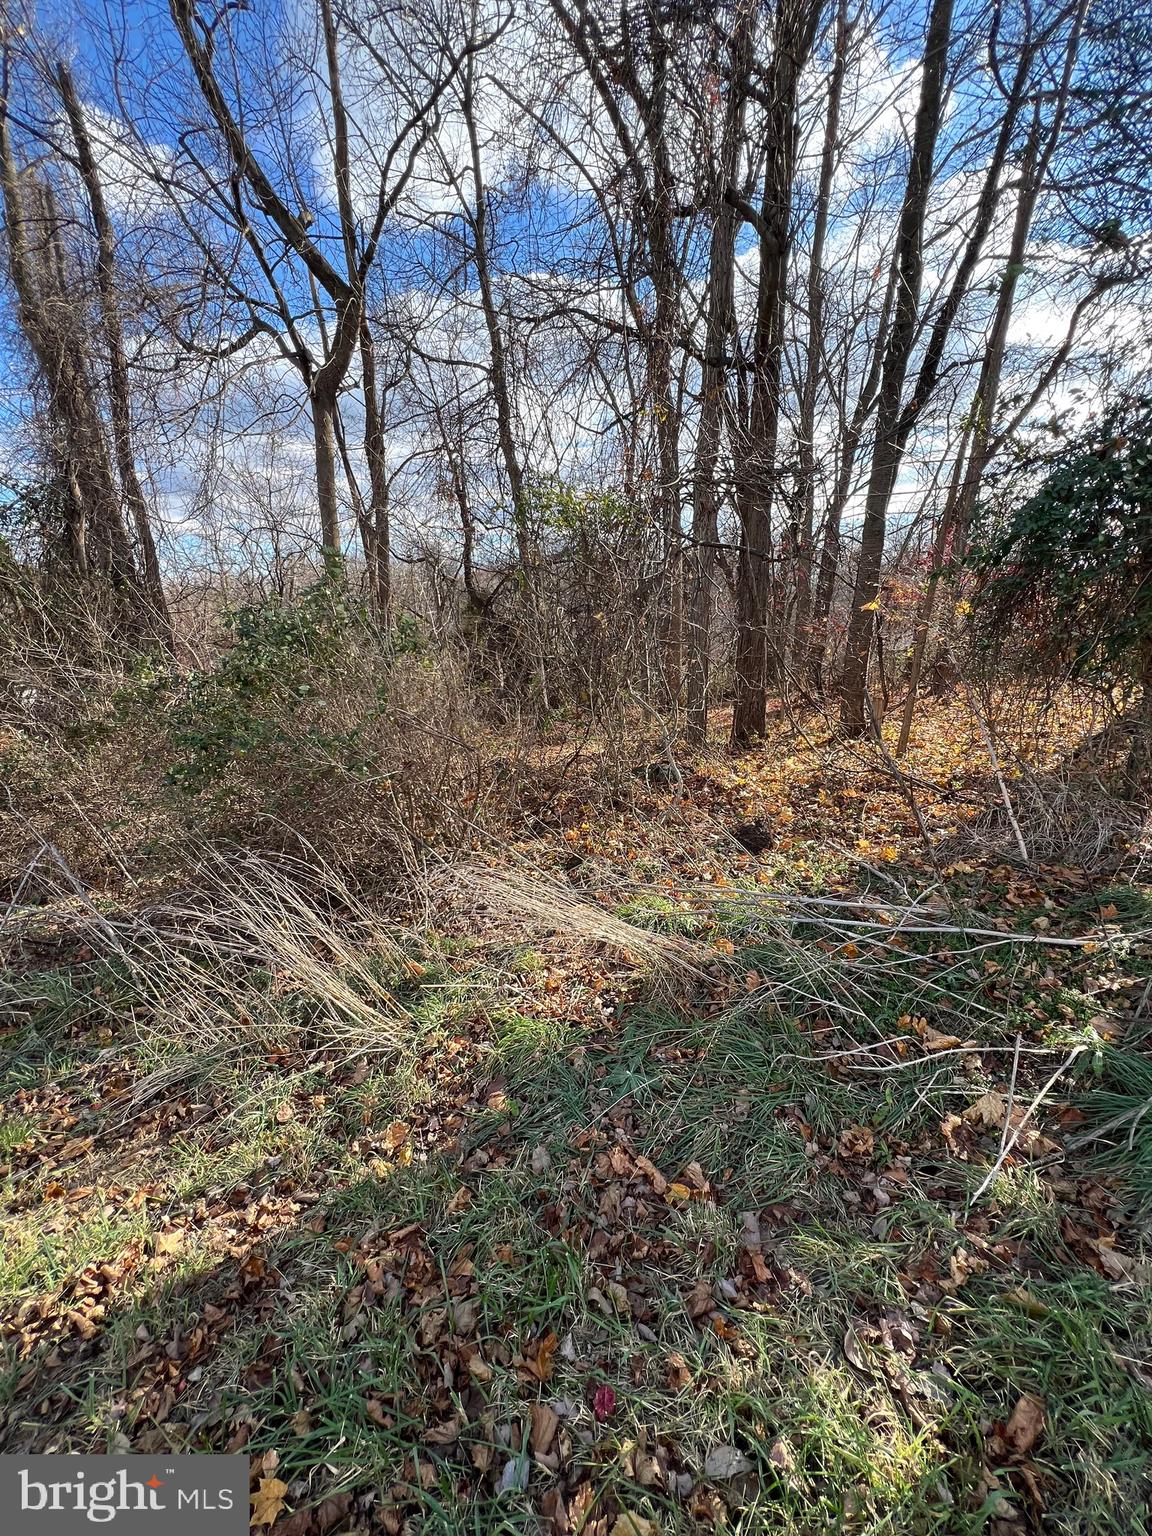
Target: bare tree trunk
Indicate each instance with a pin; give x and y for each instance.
(795, 33)
(966, 484)
(327, 493)
(814, 356)
(119, 389)
(829, 566)
(380, 556)
(908, 263)
(51, 320)
(713, 384)
(928, 605)
(498, 360)
(666, 283)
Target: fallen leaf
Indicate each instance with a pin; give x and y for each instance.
(514, 1478)
(1026, 1424)
(541, 1365)
(694, 1175)
(988, 1110)
(628, 1524)
(545, 1422)
(781, 1455)
(319, 1521)
(619, 1298)
(650, 1171)
(442, 1434)
(268, 1500)
(856, 1143)
(479, 1369)
(725, 1461)
(700, 1300)
(603, 1403)
(935, 1041)
(678, 1376)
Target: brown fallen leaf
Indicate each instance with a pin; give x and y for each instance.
(268, 1500)
(856, 1143)
(650, 1171)
(376, 1411)
(781, 1455)
(545, 1422)
(319, 1521)
(988, 1110)
(442, 1434)
(678, 1375)
(540, 1364)
(628, 1524)
(1026, 1424)
(555, 1511)
(699, 1300)
(694, 1176)
(479, 1369)
(934, 1040)
(1116, 1266)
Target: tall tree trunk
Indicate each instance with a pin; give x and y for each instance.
(497, 353)
(969, 475)
(814, 352)
(50, 319)
(795, 32)
(829, 566)
(659, 239)
(909, 264)
(119, 389)
(327, 492)
(377, 512)
(713, 385)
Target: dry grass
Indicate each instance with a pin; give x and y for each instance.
(530, 902)
(255, 954)
(1062, 820)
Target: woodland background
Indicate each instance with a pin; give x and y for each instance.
(575, 737)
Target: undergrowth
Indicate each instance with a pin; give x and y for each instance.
(511, 1217)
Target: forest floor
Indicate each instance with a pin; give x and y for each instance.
(633, 1184)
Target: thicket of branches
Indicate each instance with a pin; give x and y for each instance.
(663, 353)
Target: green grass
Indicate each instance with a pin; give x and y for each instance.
(515, 1235)
(1117, 1102)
